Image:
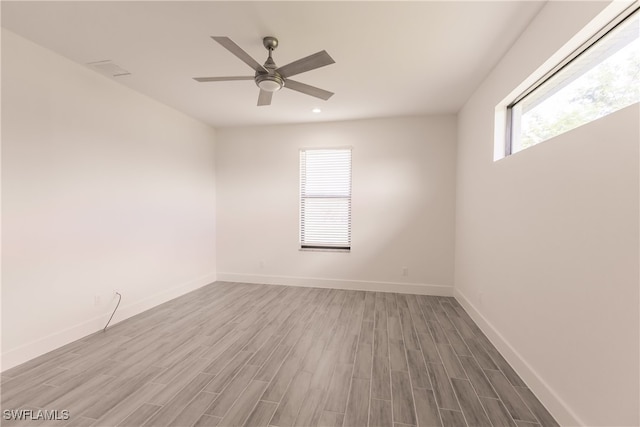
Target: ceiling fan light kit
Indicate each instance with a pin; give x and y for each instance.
(270, 78)
(269, 82)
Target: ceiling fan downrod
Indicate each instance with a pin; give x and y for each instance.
(271, 81)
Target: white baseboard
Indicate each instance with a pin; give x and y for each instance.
(549, 398)
(359, 285)
(53, 341)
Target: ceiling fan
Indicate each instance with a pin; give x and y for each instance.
(270, 78)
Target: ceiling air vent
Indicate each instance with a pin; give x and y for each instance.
(109, 68)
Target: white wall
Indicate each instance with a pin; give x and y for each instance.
(547, 256)
(402, 204)
(102, 189)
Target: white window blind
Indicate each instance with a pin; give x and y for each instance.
(325, 198)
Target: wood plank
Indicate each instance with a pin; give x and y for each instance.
(231, 356)
(347, 351)
(127, 406)
(369, 307)
(403, 406)
(207, 421)
(442, 387)
(164, 416)
(437, 333)
(426, 408)
(364, 362)
(512, 401)
(380, 413)
(380, 315)
(477, 377)
(18, 393)
(111, 396)
(452, 418)
(397, 357)
(42, 395)
(500, 361)
(451, 362)
(380, 379)
(391, 304)
(541, 413)
(165, 394)
(457, 343)
(261, 414)
(484, 360)
(418, 370)
(290, 405)
(312, 358)
(39, 365)
(427, 310)
(140, 415)
(366, 333)
(244, 405)
(331, 419)
(230, 393)
(191, 365)
(313, 404)
(218, 334)
(429, 349)
(278, 385)
(83, 396)
(80, 422)
(194, 410)
(339, 388)
(469, 402)
(443, 319)
(357, 413)
(419, 322)
(227, 374)
(380, 343)
(497, 413)
(263, 354)
(408, 331)
(394, 328)
(271, 367)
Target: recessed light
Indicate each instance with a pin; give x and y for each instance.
(316, 110)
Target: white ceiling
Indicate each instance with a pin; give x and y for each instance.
(392, 58)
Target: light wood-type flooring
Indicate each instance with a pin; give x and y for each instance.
(234, 354)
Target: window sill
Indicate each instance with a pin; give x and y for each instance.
(324, 250)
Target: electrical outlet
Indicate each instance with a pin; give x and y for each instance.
(261, 263)
(405, 271)
(96, 300)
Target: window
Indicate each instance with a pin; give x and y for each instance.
(601, 77)
(325, 199)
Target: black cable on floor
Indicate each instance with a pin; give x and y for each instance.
(114, 311)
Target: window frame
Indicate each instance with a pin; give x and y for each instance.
(326, 247)
(619, 19)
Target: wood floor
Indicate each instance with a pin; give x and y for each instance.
(233, 354)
